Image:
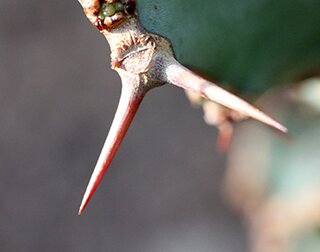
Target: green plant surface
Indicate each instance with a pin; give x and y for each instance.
(247, 44)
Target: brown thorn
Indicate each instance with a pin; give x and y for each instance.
(127, 108)
(182, 77)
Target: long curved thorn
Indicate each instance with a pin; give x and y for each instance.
(128, 105)
(180, 76)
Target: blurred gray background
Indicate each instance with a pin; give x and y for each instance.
(58, 97)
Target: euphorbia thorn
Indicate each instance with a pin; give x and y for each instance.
(145, 61)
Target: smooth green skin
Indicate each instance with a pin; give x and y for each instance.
(249, 44)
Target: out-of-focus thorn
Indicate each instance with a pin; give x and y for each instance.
(224, 136)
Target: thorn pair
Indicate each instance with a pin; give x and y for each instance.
(131, 99)
(143, 67)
